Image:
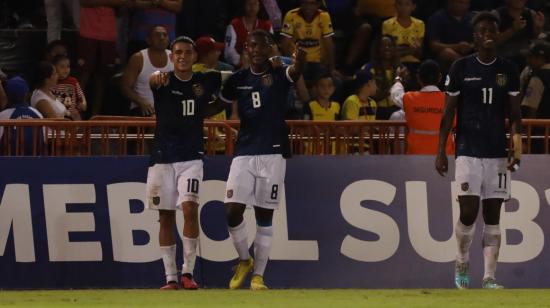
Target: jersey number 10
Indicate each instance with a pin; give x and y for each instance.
(487, 95)
(188, 107)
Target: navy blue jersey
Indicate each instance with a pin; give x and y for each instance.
(483, 92)
(179, 108)
(262, 100)
(23, 111)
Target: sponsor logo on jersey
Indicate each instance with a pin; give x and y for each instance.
(176, 92)
(156, 200)
(501, 80)
(244, 88)
(472, 79)
(198, 89)
(267, 80)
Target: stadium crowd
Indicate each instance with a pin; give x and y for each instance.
(95, 56)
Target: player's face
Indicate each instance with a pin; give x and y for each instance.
(404, 7)
(258, 48)
(251, 7)
(183, 56)
(459, 7)
(325, 88)
(158, 38)
(485, 34)
(63, 68)
(309, 7)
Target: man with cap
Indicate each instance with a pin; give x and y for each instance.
(536, 101)
(17, 91)
(209, 52)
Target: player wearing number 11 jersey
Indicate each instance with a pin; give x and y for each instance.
(483, 89)
(258, 169)
(182, 100)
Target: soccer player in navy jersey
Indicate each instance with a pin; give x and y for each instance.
(182, 99)
(258, 169)
(483, 90)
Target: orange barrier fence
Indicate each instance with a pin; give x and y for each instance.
(109, 135)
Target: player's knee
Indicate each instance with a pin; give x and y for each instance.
(492, 238)
(234, 214)
(190, 210)
(166, 217)
(467, 219)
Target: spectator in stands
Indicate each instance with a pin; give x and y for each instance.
(96, 50)
(144, 15)
(360, 106)
(208, 55)
(67, 89)
(274, 13)
(43, 98)
(450, 31)
(518, 26)
(422, 109)
(408, 33)
(17, 91)
(135, 79)
(238, 29)
(311, 27)
(55, 48)
(383, 65)
(536, 101)
(322, 108)
(54, 16)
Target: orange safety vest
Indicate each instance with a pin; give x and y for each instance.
(423, 111)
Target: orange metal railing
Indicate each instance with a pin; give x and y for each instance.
(108, 135)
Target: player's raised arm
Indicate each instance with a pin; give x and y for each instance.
(297, 68)
(158, 79)
(441, 163)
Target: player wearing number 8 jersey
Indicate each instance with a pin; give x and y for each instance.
(258, 170)
(483, 89)
(182, 100)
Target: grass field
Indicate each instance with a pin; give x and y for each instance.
(278, 298)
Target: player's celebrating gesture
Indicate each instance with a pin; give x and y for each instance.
(258, 169)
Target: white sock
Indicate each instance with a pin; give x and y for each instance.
(491, 247)
(262, 247)
(240, 240)
(189, 254)
(169, 259)
(464, 235)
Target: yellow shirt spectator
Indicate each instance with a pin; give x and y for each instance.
(309, 34)
(320, 113)
(355, 109)
(411, 36)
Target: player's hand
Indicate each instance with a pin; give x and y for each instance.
(441, 164)
(515, 158)
(276, 62)
(147, 110)
(159, 79)
(519, 23)
(300, 53)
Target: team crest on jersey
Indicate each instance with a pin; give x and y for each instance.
(156, 200)
(229, 193)
(465, 186)
(501, 80)
(198, 90)
(267, 80)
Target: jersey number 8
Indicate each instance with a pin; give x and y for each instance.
(256, 103)
(188, 107)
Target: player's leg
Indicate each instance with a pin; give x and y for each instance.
(262, 246)
(496, 189)
(240, 185)
(469, 189)
(161, 196)
(189, 176)
(268, 189)
(491, 241)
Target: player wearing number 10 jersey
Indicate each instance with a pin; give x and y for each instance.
(182, 101)
(483, 89)
(258, 170)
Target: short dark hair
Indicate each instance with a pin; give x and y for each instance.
(485, 16)
(262, 33)
(429, 72)
(54, 44)
(59, 58)
(182, 39)
(43, 70)
(323, 75)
